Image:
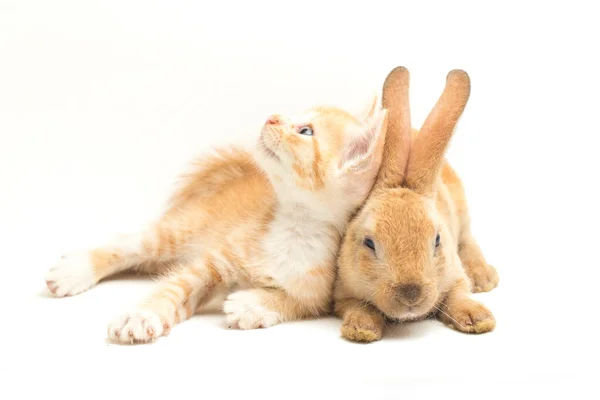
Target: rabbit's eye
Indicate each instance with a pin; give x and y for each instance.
(369, 243)
(437, 241)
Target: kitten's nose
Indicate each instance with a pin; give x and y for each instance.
(274, 119)
(409, 294)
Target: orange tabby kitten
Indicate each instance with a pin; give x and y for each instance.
(261, 228)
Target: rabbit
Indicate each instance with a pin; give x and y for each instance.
(408, 252)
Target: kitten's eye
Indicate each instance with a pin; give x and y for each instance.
(369, 243)
(306, 130)
(437, 241)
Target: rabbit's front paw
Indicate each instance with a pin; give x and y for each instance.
(137, 327)
(469, 316)
(483, 276)
(244, 310)
(360, 326)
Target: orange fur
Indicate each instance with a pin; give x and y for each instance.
(263, 226)
(417, 196)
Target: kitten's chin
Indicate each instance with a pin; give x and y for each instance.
(266, 151)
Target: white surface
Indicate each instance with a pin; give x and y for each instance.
(103, 103)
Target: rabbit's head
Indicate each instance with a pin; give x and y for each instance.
(393, 253)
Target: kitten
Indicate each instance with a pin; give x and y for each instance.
(261, 227)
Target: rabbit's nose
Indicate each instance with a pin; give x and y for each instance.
(409, 294)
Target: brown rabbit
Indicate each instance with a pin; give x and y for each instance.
(409, 253)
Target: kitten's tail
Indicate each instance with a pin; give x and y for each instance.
(210, 173)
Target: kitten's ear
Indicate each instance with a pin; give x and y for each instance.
(363, 150)
(368, 110)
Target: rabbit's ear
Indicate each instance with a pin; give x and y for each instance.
(395, 99)
(429, 147)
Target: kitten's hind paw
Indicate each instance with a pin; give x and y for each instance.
(71, 275)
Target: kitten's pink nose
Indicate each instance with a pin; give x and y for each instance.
(274, 120)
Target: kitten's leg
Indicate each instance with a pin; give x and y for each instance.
(265, 307)
(78, 271)
(362, 321)
(483, 276)
(461, 312)
(177, 297)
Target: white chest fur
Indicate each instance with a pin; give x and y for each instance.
(296, 244)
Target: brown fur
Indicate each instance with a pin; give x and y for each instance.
(417, 196)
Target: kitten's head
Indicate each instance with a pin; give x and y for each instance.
(325, 151)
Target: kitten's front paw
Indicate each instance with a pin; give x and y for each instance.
(469, 316)
(137, 327)
(483, 276)
(71, 275)
(245, 311)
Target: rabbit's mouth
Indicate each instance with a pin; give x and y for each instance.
(401, 312)
(411, 313)
(407, 301)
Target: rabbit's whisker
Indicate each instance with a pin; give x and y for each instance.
(447, 315)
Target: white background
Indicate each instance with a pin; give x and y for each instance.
(104, 103)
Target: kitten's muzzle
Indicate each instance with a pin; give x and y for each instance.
(275, 119)
(269, 142)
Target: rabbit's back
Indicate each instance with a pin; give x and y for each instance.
(451, 200)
